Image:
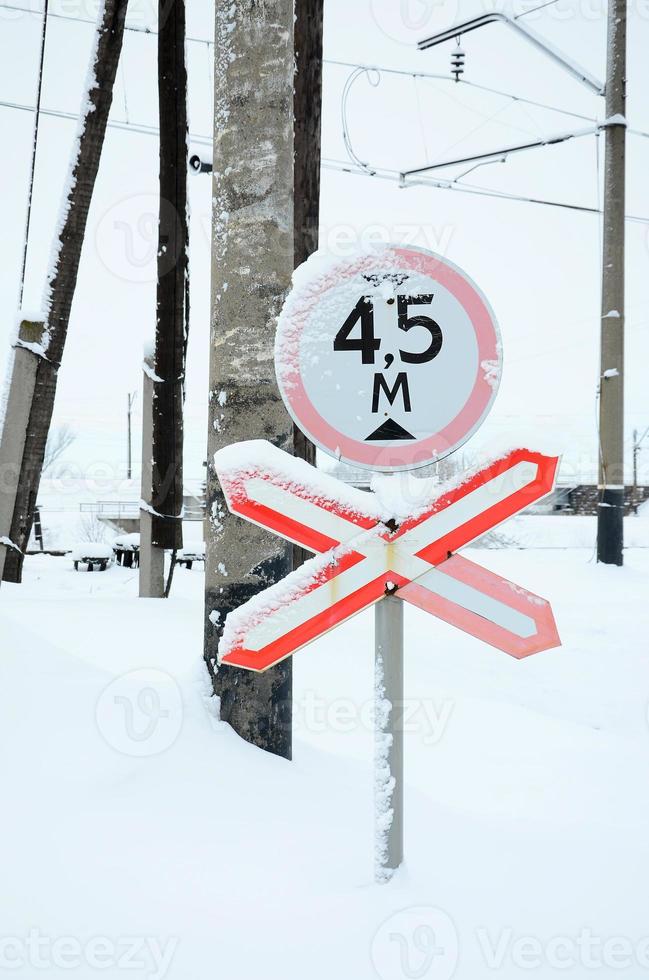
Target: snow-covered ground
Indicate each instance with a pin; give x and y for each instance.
(143, 838)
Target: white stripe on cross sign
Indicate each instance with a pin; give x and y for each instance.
(365, 554)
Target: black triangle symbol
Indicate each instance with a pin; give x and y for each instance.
(388, 430)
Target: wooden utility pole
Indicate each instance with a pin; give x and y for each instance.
(252, 263)
(62, 280)
(610, 514)
(307, 103)
(171, 319)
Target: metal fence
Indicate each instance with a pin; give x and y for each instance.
(194, 509)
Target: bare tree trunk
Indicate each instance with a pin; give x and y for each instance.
(64, 269)
(307, 102)
(171, 339)
(252, 264)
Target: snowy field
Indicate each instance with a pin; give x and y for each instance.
(142, 838)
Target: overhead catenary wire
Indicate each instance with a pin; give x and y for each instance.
(422, 128)
(500, 155)
(356, 74)
(450, 94)
(141, 128)
(56, 15)
(344, 166)
(30, 191)
(541, 6)
(433, 76)
(123, 77)
(362, 166)
(209, 43)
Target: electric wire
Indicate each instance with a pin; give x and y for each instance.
(373, 74)
(122, 70)
(420, 116)
(349, 64)
(342, 165)
(56, 15)
(141, 128)
(463, 81)
(328, 61)
(349, 84)
(395, 176)
(541, 6)
(30, 192)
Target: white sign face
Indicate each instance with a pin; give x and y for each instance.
(388, 360)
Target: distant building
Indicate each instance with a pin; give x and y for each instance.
(583, 498)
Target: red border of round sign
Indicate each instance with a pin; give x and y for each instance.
(421, 452)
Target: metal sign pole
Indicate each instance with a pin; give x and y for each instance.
(388, 686)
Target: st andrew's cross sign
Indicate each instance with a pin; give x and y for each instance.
(368, 553)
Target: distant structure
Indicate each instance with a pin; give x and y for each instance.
(584, 498)
(566, 499)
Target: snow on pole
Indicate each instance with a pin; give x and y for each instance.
(388, 736)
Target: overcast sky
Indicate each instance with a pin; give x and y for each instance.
(539, 266)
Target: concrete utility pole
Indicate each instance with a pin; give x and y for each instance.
(610, 523)
(252, 263)
(14, 430)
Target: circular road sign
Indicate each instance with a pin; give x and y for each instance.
(387, 360)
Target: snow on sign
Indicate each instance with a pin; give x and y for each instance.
(365, 553)
(388, 360)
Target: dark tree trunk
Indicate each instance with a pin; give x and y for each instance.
(63, 277)
(307, 102)
(171, 339)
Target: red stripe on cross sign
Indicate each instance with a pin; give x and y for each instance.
(365, 555)
(485, 605)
